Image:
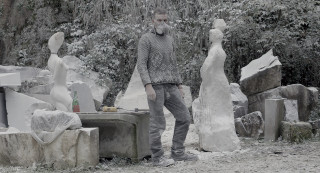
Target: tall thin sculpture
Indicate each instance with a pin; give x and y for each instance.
(216, 130)
(59, 93)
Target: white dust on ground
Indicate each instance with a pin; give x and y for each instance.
(254, 156)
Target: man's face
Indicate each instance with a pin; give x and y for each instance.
(160, 23)
(159, 19)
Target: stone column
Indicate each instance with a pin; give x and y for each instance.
(274, 114)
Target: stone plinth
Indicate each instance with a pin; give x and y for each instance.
(71, 149)
(124, 134)
(274, 114)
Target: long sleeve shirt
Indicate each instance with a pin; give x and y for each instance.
(156, 61)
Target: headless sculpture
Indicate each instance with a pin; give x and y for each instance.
(216, 131)
(59, 93)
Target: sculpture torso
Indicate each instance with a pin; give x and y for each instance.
(59, 93)
(216, 130)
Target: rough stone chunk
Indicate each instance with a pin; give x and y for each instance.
(296, 132)
(261, 74)
(89, 77)
(72, 148)
(238, 98)
(238, 111)
(250, 125)
(291, 107)
(307, 99)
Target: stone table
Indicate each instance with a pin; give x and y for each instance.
(124, 134)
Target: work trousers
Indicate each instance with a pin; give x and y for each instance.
(168, 95)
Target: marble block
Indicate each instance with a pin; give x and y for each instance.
(274, 114)
(261, 74)
(20, 108)
(71, 149)
(10, 79)
(123, 134)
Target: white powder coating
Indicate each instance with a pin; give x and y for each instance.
(20, 108)
(260, 64)
(216, 130)
(10, 79)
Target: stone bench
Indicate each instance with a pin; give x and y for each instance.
(124, 134)
(72, 148)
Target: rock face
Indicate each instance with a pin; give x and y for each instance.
(26, 73)
(84, 95)
(261, 74)
(250, 125)
(196, 113)
(239, 100)
(72, 148)
(20, 108)
(46, 126)
(216, 120)
(136, 97)
(76, 73)
(291, 107)
(296, 132)
(307, 98)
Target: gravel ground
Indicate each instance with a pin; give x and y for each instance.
(254, 156)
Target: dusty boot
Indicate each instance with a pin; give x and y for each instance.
(184, 157)
(163, 162)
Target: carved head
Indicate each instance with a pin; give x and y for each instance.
(215, 35)
(219, 24)
(55, 42)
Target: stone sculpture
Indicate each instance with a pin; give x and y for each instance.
(216, 130)
(59, 93)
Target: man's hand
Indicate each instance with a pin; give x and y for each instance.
(181, 91)
(151, 94)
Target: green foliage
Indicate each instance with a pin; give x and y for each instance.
(290, 28)
(53, 3)
(111, 30)
(299, 135)
(1, 9)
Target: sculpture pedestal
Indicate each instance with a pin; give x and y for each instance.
(124, 134)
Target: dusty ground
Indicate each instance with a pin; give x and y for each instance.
(254, 156)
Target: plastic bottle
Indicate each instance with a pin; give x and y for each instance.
(75, 103)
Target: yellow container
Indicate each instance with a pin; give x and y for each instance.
(109, 109)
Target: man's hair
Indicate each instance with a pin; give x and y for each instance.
(159, 11)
